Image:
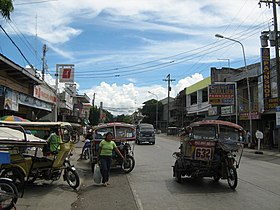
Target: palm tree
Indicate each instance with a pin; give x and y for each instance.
(6, 7)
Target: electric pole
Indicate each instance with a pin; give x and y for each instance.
(44, 61)
(168, 80)
(274, 2)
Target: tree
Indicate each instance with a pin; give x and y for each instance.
(6, 8)
(94, 115)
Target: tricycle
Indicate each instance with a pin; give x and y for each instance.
(28, 162)
(123, 135)
(210, 148)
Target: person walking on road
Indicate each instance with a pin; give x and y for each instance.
(104, 156)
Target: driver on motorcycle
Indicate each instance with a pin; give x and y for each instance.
(54, 140)
(88, 138)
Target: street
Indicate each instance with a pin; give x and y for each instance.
(151, 185)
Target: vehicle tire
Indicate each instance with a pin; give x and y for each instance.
(232, 177)
(177, 173)
(85, 154)
(17, 176)
(9, 194)
(216, 178)
(72, 178)
(128, 164)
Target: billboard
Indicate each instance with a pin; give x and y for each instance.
(221, 94)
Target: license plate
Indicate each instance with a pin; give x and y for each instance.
(203, 153)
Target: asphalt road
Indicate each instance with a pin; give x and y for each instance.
(151, 185)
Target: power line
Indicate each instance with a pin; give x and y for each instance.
(17, 47)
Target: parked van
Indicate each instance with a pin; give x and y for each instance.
(145, 133)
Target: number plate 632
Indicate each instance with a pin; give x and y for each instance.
(203, 153)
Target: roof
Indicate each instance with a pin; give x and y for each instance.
(18, 72)
(15, 136)
(199, 85)
(216, 122)
(114, 124)
(36, 124)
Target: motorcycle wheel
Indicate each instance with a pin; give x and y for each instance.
(85, 154)
(177, 173)
(9, 194)
(128, 164)
(17, 176)
(232, 177)
(72, 178)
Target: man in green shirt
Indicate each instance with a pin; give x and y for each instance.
(54, 140)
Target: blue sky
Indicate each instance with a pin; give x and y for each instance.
(123, 49)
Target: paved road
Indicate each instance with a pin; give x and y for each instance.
(151, 185)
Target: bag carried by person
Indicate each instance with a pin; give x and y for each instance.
(97, 177)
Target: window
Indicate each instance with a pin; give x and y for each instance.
(194, 98)
(205, 95)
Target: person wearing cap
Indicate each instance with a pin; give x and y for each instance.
(104, 156)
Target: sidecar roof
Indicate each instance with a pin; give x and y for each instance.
(216, 122)
(13, 136)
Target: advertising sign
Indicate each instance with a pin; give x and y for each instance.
(66, 74)
(221, 94)
(278, 117)
(44, 94)
(11, 99)
(226, 110)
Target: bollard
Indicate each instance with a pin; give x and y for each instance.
(259, 136)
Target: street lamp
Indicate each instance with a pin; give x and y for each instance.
(156, 109)
(247, 78)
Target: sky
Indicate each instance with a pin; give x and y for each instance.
(123, 50)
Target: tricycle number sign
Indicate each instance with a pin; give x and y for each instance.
(203, 153)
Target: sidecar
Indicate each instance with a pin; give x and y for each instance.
(209, 148)
(14, 143)
(123, 135)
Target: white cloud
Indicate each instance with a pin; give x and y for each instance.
(126, 98)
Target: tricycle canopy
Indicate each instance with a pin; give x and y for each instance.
(42, 129)
(120, 131)
(16, 136)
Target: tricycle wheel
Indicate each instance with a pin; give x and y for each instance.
(9, 194)
(17, 176)
(177, 173)
(72, 178)
(128, 164)
(232, 177)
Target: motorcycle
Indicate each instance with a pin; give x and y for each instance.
(123, 134)
(210, 149)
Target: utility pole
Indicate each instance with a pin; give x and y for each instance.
(274, 2)
(168, 80)
(44, 61)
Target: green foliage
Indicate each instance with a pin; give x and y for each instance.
(149, 111)
(6, 7)
(124, 118)
(94, 115)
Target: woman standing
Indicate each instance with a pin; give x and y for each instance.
(104, 155)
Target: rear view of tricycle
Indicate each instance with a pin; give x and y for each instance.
(210, 148)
